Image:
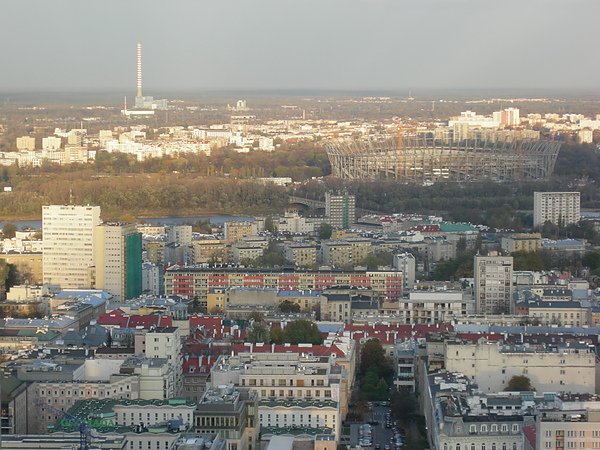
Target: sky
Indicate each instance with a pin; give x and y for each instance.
(203, 45)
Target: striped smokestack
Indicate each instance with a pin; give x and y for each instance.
(139, 69)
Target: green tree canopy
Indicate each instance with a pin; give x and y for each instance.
(9, 230)
(372, 357)
(258, 333)
(302, 332)
(324, 231)
(288, 306)
(519, 383)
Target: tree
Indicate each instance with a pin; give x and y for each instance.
(380, 258)
(519, 383)
(270, 225)
(276, 335)
(9, 230)
(256, 316)
(403, 404)
(258, 333)
(109, 339)
(372, 357)
(302, 332)
(324, 231)
(288, 306)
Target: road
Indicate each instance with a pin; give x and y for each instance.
(381, 434)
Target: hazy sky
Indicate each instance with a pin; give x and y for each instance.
(286, 44)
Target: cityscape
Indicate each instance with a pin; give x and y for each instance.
(233, 227)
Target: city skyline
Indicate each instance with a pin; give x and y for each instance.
(357, 45)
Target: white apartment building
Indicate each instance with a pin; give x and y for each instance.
(550, 369)
(163, 343)
(180, 234)
(63, 395)
(51, 143)
(435, 306)
(69, 248)
(292, 388)
(406, 263)
(559, 208)
(493, 284)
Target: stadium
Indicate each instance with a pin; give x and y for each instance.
(424, 158)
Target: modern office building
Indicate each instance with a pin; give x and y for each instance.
(119, 260)
(493, 284)
(559, 208)
(68, 252)
(340, 210)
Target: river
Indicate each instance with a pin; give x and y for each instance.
(214, 219)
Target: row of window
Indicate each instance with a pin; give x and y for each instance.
(493, 446)
(494, 428)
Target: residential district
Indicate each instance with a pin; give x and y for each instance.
(296, 332)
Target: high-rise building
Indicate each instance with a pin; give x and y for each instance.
(68, 249)
(559, 208)
(119, 259)
(493, 284)
(340, 210)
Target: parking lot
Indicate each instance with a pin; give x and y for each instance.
(378, 432)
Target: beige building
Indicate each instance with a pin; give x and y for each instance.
(69, 245)
(26, 143)
(235, 231)
(302, 255)
(29, 265)
(560, 313)
(155, 251)
(118, 260)
(493, 284)
(210, 250)
(568, 429)
(559, 208)
(550, 369)
(521, 242)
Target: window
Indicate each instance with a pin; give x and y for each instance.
(472, 428)
(494, 429)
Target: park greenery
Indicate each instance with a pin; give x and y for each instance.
(375, 371)
(295, 332)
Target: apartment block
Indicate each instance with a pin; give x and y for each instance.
(521, 242)
(493, 284)
(69, 244)
(559, 208)
(302, 255)
(198, 281)
(119, 260)
(340, 210)
(26, 143)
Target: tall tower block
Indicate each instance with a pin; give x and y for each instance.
(139, 69)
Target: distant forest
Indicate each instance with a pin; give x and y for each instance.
(222, 183)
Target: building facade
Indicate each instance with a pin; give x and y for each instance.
(559, 208)
(69, 245)
(493, 284)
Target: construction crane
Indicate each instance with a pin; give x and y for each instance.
(84, 431)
